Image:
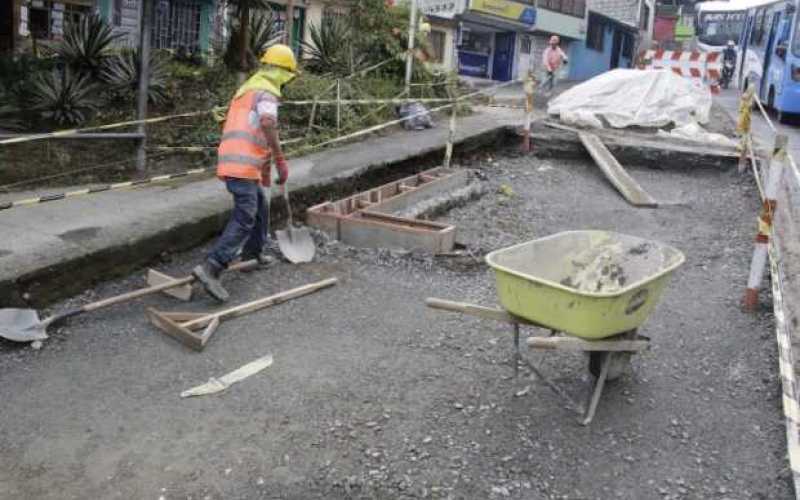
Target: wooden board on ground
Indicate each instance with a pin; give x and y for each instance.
(625, 184)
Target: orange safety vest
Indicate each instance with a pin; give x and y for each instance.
(243, 151)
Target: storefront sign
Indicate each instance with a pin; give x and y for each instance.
(506, 9)
(473, 64)
(447, 9)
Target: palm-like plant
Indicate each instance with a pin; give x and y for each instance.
(87, 44)
(63, 98)
(332, 50)
(122, 73)
(261, 33)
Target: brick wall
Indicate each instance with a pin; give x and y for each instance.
(626, 11)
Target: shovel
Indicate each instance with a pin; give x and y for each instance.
(24, 325)
(295, 243)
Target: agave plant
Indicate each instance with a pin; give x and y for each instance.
(122, 73)
(63, 97)
(87, 44)
(331, 49)
(262, 33)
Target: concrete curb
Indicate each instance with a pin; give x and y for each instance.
(60, 249)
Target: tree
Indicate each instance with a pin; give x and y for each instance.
(243, 10)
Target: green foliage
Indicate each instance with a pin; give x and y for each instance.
(87, 45)
(122, 72)
(63, 98)
(262, 30)
(332, 49)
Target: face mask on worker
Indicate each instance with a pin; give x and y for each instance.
(269, 78)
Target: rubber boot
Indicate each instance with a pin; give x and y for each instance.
(208, 275)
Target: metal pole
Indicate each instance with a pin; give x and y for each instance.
(338, 104)
(451, 137)
(412, 25)
(146, 11)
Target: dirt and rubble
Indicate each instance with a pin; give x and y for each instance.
(371, 395)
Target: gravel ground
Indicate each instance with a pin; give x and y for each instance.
(373, 396)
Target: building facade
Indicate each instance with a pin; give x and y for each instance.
(615, 31)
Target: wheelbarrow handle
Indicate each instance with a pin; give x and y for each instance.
(472, 310)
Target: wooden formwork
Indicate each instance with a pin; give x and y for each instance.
(366, 220)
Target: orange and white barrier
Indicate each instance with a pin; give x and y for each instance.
(761, 251)
(702, 68)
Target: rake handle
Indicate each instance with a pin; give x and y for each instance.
(255, 305)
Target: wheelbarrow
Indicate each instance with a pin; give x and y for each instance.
(591, 289)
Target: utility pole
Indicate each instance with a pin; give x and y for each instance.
(289, 24)
(412, 28)
(146, 16)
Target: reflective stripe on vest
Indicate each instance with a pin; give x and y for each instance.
(243, 150)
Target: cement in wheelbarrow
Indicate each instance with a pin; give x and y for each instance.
(589, 284)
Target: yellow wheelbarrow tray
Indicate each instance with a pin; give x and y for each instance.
(536, 281)
(542, 284)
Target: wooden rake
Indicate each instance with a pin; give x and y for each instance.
(195, 329)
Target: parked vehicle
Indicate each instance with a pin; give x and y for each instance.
(770, 56)
(716, 22)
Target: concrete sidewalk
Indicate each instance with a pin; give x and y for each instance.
(56, 249)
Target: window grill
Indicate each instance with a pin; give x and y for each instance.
(177, 25)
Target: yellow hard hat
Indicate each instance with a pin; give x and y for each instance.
(280, 55)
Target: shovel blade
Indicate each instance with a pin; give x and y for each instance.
(21, 325)
(296, 244)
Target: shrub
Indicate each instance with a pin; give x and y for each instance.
(87, 45)
(63, 97)
(332, 50)
(122, 73)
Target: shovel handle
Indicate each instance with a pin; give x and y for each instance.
(285, 194)
(142, 292)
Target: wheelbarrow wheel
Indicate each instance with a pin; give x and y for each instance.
(619, 365)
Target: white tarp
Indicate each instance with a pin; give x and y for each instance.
(633, 97)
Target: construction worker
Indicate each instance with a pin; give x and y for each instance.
(249, 141)
(552, 59)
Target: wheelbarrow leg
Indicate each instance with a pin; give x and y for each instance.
(598, 389)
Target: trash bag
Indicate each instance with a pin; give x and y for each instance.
(417, 116)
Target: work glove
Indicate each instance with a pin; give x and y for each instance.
(283, 169)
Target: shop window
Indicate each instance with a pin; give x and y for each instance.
(436, 40)
(480, 43)
(575, 8)
(595, 34)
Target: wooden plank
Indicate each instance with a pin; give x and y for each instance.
(182, 292)
(574, 344)
(175, 330)
(625, 184)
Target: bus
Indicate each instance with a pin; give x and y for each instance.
(717, 22)
(769, 56)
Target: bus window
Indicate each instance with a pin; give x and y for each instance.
(796, 41)
(758, 28)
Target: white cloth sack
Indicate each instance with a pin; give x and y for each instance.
(633, 97)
